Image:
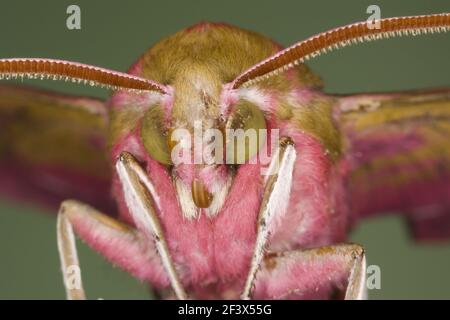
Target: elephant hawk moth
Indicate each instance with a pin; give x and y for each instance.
(223, 229)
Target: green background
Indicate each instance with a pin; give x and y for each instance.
(114, 34)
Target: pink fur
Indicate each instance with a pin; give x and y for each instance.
(309, 220)
(235, 225)
(132, 253)
(213, 176)
(314, 278)
(190, 242)
(202, 248)
(186, 172)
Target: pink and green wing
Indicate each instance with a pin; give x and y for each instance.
(397, 157)
(53, 147)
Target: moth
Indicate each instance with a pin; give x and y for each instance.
(218, 229)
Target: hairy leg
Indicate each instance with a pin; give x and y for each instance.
(118, 242)
(313, 274)
(273, 205)
(141, 199)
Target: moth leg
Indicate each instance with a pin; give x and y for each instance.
(313, 273)
(121, 244)
(68, 252)
(273, 205)
(356, 287)
(141, 197)
(90, 223)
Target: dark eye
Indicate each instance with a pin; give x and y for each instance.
(155, 136)
(250, 119)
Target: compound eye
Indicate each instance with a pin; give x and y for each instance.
(155, 135)
(243, 132)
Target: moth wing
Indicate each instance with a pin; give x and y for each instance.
(397, 149)
(53, 147)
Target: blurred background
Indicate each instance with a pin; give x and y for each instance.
(115, 33)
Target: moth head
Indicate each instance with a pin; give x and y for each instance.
(202, 148)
